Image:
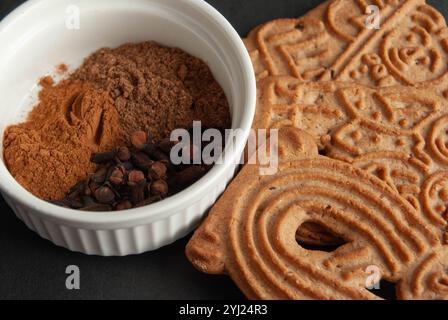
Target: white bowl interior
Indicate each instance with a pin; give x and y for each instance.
(38, 39)
(36, 46)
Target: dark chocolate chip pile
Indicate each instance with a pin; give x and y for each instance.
(132, 177)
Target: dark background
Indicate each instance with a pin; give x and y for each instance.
(33, 268)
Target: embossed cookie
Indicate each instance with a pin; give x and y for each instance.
(399, 134)
(250, 233)
(332, 42)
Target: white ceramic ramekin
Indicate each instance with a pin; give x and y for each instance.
(43, 33)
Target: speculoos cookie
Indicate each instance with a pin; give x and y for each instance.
(250, 233)
(332, 42)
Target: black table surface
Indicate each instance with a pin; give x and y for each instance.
(33, 268)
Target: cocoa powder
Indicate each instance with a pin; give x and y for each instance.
(157, 89)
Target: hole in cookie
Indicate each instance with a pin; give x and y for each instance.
(316, 237)
(300, 27)
(323, 152)
(315, 247)
(387, 290)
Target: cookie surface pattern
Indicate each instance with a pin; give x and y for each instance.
(250, 233)
(399, 134)
(332, 42)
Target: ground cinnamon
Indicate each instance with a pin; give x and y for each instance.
(50, 152)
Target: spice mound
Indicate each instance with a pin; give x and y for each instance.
(114, 93)
(51, 151)
(157, 89)
(132, 177)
